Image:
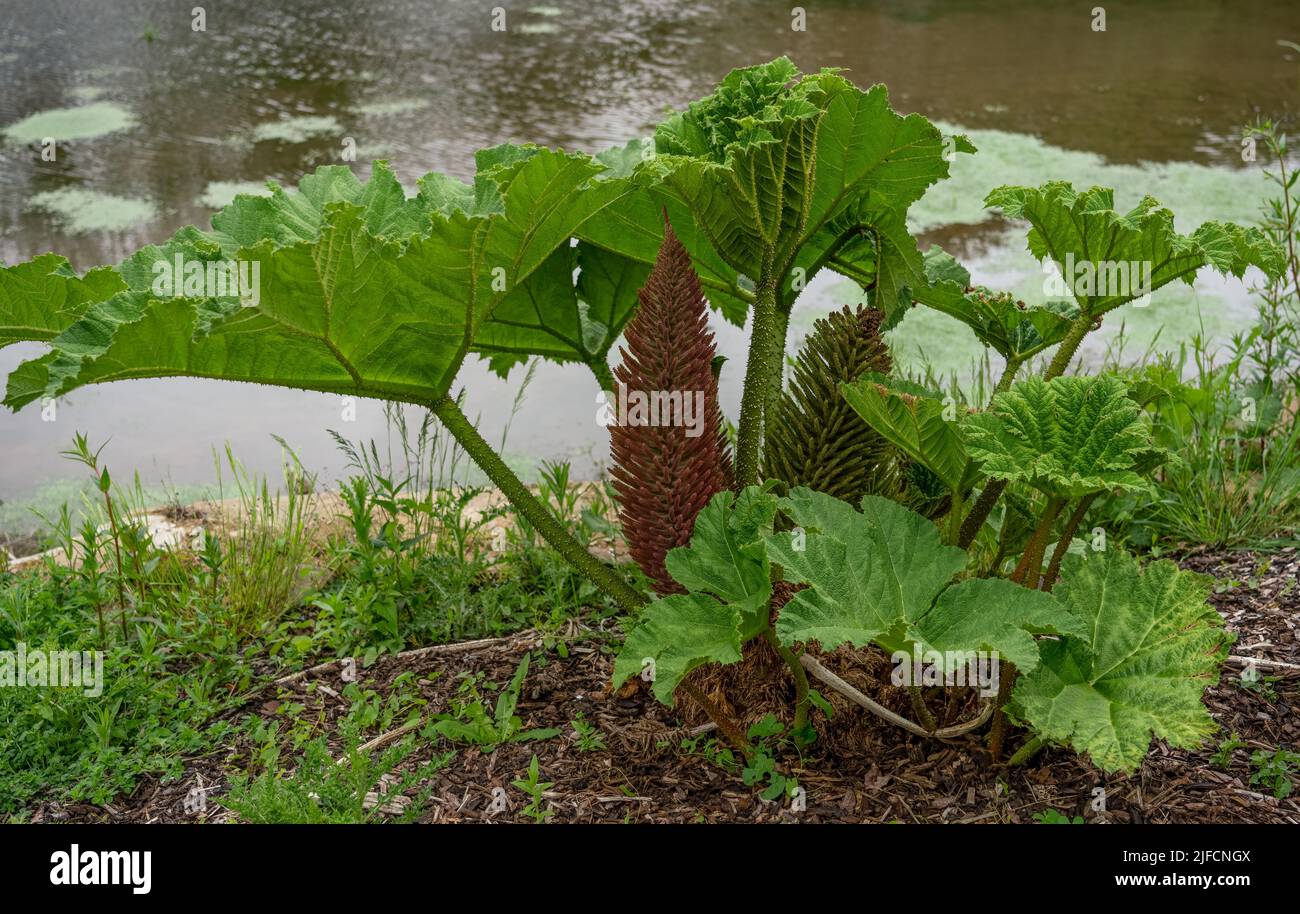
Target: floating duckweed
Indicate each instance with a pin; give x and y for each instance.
(221, 193)
(1194, 191)
(79, 123)
(385, 109)
(81, 211)
(297, 129)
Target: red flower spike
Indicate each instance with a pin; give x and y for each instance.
(669, 452)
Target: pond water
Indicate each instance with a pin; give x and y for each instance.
(160, 124)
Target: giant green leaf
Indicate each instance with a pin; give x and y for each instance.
(41, 298)
(782, 175)
(810, 153)
(345, 313)
(915, 423)
(1092, 243)
(543, 315)
(882, 576)
(1015, 330)
(675, 635)
(1150, 646)
(870, 573)
(349, 310)
(1067, 437)
(729, 586)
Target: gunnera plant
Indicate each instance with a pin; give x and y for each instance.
(369, 291)
(816, 439)
(669, 451)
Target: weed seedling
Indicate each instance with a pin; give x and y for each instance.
(1274, 769)
(587, 736)
(1222, 757)
(1056, 817)
(469, 722)
(761, 768)
(535, 787)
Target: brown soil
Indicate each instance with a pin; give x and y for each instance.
(860, 769)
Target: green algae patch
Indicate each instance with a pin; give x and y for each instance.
(298, 129)
(219, 194)
(79, 123)
(79, 211)
(388, 109)
(1195, 192)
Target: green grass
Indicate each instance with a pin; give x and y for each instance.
(161, 690)
(191, 632)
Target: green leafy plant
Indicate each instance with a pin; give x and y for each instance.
(535, 788)
(883, 575)
(318, 789)
(774, 177)
(1263, 686)
(1088, 240)
(1222, 757)
(761, 767)
(586, 735)
(715, 752)
(469, 721)
(780, 175)
(1056, 817)
(1070, 439)
(82, 453)
(1147, 646)
(728, 588)
(1274, 769)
